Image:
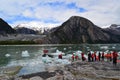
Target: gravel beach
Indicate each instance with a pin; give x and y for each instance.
(78, 70)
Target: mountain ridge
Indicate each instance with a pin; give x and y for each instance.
(75, 30)
(80, 30)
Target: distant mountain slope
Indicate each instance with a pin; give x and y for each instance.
(5, 28)
(113, 29)
(80, 30)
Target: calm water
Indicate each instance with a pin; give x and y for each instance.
(21, 54)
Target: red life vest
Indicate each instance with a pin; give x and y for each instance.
(76, 57)
(72, 57)
(45, 51)
(60, 56)
(82, 54)
(115, 55)
(92, 55)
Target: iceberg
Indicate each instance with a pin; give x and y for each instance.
(7, 55)
(25, 54)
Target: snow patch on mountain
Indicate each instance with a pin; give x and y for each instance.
(112, 26)
(107, 26)
(37, 26)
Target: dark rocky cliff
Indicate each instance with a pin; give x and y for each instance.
(24, 30)
(5, 28)
(80, 30)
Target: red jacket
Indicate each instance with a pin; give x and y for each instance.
(72, 57)
(82, 54)
(115, 55)
(45, 51)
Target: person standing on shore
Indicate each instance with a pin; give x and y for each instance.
(73, 57)
(45, 52)
(99, 56)
(83, 58)
(115, 55)
(95, 56)
(89, 57)
(102, 56)
(60, 56)
(76, 57)
(110, 56)
(92, 56)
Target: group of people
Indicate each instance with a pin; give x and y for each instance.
(101, 56)
(92, 56)
(97, 57)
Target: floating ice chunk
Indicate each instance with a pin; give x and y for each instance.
(79, 52)
(7, 55)
(68, 56)
(46, 59)
(56, 54)
(64, 48)
(87, 47)
(104, 47)
(25, 54)
(70, 47)
(57, 51)
(113, 47)
(16, 52)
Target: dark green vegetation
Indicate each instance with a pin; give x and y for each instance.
(16, 42)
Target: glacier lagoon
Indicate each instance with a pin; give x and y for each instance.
(31, 60)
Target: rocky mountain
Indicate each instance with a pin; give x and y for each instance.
(113, 29)
(80, 30)
(75, 30)
(5, 28)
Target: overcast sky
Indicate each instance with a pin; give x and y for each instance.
(55, 12)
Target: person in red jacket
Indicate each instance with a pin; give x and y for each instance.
(60, 56)
(76, 57)
(115, 55)
(73, 57)
(83, 58)
(45, 52)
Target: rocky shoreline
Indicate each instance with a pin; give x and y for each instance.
(77, 70)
